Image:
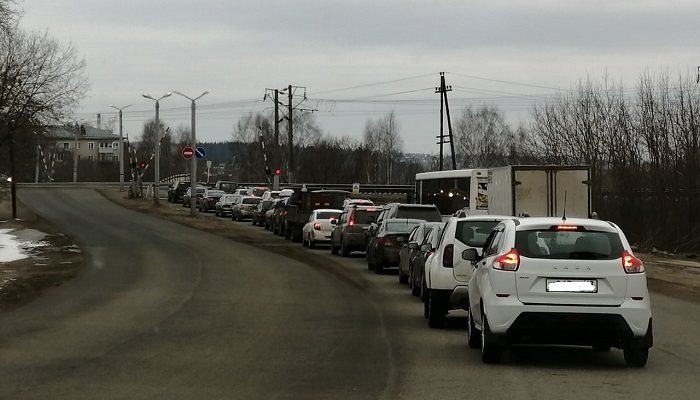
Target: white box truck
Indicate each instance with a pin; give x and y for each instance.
(540, 190)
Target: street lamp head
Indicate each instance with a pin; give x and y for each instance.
(166, 95)
(148, 96)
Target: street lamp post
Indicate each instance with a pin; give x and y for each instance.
(193, 161)
(121, 146)
(156, 172)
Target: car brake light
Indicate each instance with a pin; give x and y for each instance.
(507, 262)
(447, 256)
(631, 264)
(567, 228)
(317, 226)
(284, 213)
(386, 241)
(351, 222)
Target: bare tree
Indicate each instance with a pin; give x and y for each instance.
(381, 137)
(482, 137)
(8, 14)
(41, 81)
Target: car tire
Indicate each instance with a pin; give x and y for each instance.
(473, 333)
(343, 250)
(636, 353)
(403, 278)
(490, 352)
(415, 289)
(334, 249)
(312, 245)
(426, 312)
(602, 348)
(378, 267)
(303, 242)
(436, 310)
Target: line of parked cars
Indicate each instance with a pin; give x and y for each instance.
(524, 280)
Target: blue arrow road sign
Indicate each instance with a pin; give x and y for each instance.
(199, 152)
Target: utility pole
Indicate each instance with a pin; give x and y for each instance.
(444, 106)
(277, 118)
(13, 183)
(290, 89)
(36, 167)
(121, 147)
(156, 172)
(290, 139)
(75, 154)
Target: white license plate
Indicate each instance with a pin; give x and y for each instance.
(572, 285)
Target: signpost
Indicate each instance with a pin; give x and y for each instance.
(208, 170)
(200, 152)
(187, 153)
(355, 188)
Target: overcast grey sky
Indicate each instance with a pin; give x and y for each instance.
(236, 49)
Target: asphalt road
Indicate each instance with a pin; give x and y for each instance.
(165, 311)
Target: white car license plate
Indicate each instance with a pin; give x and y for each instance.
(572, 285)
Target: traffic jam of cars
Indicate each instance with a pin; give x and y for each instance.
(519, 276)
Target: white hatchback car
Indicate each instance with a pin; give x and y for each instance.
(556, 281)
(446, 275)
(318, 228)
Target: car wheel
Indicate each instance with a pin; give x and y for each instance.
(312, 245)
(334, 249)
(601, 347)
(423, 290)
(303, 242)
(426, 312)
(636, 353)
(473, 334)
(490, 352)
(343, 250)
(378, 267)
(415, 289)
(403, 278)
(436, 310)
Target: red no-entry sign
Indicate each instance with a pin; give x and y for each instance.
(187, 153)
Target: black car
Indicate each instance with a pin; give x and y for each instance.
(176, 190)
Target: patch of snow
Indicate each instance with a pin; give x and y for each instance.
(18, 244)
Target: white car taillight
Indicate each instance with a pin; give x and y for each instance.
(507, 262)
(631, 264)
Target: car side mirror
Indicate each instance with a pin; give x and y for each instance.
(413, 246)
(426, 247)
(470, 255)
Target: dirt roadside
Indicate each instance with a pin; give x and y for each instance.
(674, 277)
(52, 259)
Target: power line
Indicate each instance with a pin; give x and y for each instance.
(375, 83)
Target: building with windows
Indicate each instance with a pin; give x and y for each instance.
(94, 144)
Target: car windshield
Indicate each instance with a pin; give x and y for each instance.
(362, 216)
(474, 233)
(252, 200)
(327, 215)
(215, 193)
(581, 245)
(400, 226)
(228, 187)
(431, 214)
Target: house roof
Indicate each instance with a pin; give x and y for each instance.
(68, 132)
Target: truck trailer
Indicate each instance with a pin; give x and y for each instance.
(540, 190)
